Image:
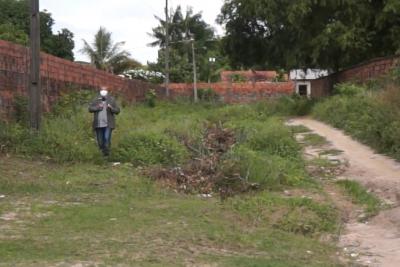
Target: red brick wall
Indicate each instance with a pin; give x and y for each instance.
(367, 70)
(360, 73)
(58, 75)
(237, 92)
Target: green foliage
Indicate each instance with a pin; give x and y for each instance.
(106, 208)
(61, 45)
(287, 105)
(61, 139)
(14, 27)
(268, 171)
(322, 34)
(360, 196)
(267, 154)
(295, 215)
(271, 137)
(106, 55)
(11, 33)
(184, 27)
(312, 139)
(151, 98)
(21, 109)
(71, 102)
(372, 118)
(143, 148)
(237, 78)
(349, 89)
(308, 217)
(207, 95)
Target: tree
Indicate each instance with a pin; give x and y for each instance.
(11, 33)
(61, 44)
(302, 33)
(14, 26)
(106, 55)
(183, 28)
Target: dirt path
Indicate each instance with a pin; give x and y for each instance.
(376, 242)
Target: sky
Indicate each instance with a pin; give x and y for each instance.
(128, 20)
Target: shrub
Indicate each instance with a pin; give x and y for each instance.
(348, 89)
(21, 109)
(143, 148)
(269, 171)
(151, 97)
(71, 101)
(238, 78)
(208, 95)
(371, 118)
(269, 136)
(286, 106)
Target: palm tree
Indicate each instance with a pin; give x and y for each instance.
(182, 27)
(107, 55)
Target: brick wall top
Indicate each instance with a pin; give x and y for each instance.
(15, 58)
(249, 75)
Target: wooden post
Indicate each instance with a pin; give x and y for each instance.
(35, 92)
(196, 98)
(166, 49)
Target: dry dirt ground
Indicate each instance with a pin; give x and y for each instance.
(375, 242)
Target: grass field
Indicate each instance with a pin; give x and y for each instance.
(60, 207)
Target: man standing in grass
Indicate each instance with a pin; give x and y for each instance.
(104, 108)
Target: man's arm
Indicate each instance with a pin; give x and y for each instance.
(114, 107)
(95, 107)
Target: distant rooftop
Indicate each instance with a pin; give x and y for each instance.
(309, 74)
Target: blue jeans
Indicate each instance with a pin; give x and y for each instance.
(104, 139)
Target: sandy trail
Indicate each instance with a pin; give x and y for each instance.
(377, 242)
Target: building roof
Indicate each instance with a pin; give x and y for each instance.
(308, 74)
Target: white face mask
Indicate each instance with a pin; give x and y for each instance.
(103, 93)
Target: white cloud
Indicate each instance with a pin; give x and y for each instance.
(128, 20)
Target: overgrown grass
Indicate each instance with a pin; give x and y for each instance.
(360, 196)
(371, 115)
(168, 134)
(71, 206)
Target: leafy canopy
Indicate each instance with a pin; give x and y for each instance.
(183, 27)
(308, 33)
(14, 27)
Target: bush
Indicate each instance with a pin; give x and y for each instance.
(272, 137)
(21, 110)
(294, 105)
(71, 102)
(60, 139)
(143, 148)
(371, 118)
(208, 95)
(269, 171)
(151, 98)
(349, 89)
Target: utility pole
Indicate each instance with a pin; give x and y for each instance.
(166, 49)
(194, 73)
(35, 92)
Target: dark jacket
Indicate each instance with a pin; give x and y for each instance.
(95, 108)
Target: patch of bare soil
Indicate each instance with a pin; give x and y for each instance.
(375, 242)
(204, 173)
